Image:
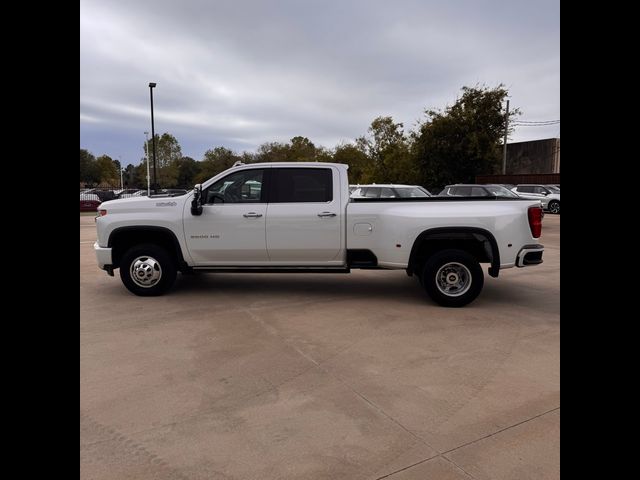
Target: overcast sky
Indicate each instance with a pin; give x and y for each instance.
(240, 73)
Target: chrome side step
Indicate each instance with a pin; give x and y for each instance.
(231, 269)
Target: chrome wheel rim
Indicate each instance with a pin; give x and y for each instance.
(555, 207)
(145, 271)
(453, 279)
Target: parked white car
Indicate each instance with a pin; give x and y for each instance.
(131, 192)
(388, 191)
(548, 195)
(477, 190)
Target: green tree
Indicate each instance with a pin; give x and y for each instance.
(387, 148)
(273, 152)
(188, 169)
(358, 161)
(323, 155)
(249, 157)
(168, 152)
(216, 161)
(89, 172)
(108, 171)
(131, 178)
(140, 174)
(301, 149)
(464, 140)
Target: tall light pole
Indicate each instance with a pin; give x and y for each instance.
(506, 129)
(121, 184)
(146, 136)
(153, 140)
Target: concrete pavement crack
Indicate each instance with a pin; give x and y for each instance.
(501, 430)
(442, 455)
(457, 466)
(407, 467)
(426, 460)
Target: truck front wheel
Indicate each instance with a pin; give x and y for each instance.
(452, 278)
(147, 270)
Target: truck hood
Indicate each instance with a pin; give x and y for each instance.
(140, 204)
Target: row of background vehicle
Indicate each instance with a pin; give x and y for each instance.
(549, 195)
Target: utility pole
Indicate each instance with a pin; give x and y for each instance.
(506, 129)
(153, 141)
(146, 137)
(121, 184)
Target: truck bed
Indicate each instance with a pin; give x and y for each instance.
(388, 227)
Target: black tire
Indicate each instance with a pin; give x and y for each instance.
(554, 206)
(464, 273)
(152, 261)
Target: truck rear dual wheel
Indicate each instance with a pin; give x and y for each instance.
(147, 270)
(452, 278)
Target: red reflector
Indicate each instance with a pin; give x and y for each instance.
(102, 212)
(535, 221)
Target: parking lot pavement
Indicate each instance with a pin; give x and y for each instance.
(358, 376)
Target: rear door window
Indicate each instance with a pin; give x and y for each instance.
(294, 185)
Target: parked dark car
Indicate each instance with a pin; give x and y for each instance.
(104, 195)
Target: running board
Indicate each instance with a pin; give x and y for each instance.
(274, 269)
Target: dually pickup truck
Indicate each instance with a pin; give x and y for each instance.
(298, 217)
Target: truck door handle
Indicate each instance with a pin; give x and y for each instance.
(327, 214)
(252, 215)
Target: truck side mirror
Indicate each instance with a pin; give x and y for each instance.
(196, 203)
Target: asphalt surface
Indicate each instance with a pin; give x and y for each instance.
(302, 376)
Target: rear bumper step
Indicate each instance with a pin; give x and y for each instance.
(530, 255)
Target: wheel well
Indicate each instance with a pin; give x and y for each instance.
(124, 238)
(480, 243)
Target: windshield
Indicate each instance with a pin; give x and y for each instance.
(500, 191)
(410, 192)
(553, 189)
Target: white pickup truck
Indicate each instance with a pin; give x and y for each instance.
(298, 217)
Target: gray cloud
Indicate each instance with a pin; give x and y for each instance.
(243, 72)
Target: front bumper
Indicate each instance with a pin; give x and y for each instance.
(103, 255)
(529, 255)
